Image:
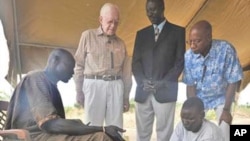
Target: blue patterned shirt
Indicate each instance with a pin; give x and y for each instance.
(211, 74)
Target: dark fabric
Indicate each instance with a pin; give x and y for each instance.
(162, 60)
(56, 100)
(34, 99)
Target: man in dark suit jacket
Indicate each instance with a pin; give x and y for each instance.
(157, 64)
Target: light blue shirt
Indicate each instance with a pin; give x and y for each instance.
(212, 74)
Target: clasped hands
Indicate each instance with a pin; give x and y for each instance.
(151, 86)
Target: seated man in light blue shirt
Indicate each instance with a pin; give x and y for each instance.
(212, 71)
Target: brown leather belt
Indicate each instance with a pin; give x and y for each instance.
(103, 77)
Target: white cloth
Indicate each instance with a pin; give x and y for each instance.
(225, 128)
(103, 102)
(208, 132)
(146, 113)
(4, 54)
(5, 88)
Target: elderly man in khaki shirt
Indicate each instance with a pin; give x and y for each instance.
(103, 75)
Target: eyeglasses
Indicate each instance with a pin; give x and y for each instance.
(196, 41)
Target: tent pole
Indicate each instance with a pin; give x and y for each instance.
(16, 43)
(43, 46)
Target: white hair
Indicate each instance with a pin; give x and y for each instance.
(108, 7)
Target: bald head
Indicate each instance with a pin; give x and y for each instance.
(60, 65)
(60, 54)
(200, 37)
(203, 26)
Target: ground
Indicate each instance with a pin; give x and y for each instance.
(241, 115)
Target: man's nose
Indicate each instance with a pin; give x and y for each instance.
(192, 44)
(152, 12)
(186, 122)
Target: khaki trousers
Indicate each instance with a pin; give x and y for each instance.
(103, 102)
(146, 113)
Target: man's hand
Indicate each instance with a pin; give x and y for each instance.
(191, 91)
(80, 98)
(158, 84)
(126, 105)
(226, 117)
(148, 86)
(113, 132)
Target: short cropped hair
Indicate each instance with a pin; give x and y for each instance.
(193, 102)
(159, 2)
(205, 25)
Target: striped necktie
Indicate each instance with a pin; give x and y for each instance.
(157, 33)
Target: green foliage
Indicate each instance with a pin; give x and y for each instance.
(132, 106)
(211, 115)
(68, 109)
(4, 96)
(78, 106)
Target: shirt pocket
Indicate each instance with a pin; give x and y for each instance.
(196, 73)
(216, 81)
(118, 57)
(94, 57)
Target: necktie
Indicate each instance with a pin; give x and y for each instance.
(157, 32)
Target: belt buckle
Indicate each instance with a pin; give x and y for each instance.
(107, 77)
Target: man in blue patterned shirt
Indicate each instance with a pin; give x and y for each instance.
(212, 71)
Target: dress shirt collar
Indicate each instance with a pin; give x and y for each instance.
(160, 26)
(100, 31)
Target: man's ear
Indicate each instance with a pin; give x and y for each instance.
(100, 19)
(203, 114)
(55, 61)
(209, 37)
